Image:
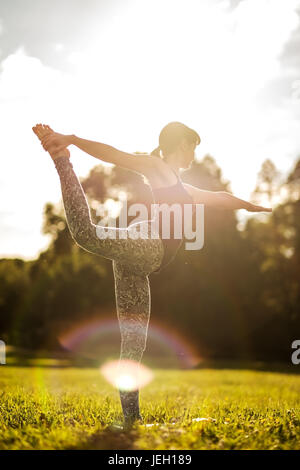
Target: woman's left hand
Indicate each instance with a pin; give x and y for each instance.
(59, 141)
(254, 208)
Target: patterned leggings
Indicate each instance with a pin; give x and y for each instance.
(133, 261)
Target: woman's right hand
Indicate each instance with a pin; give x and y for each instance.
(59, 141)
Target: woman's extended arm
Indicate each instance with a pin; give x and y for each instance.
(222, 200)
(141, 163)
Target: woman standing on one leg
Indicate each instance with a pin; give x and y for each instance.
(133, 259)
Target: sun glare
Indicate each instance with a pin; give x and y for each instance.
(148, 64)
(126, 382)
(126, 374)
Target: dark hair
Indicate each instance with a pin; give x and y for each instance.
(172, 134)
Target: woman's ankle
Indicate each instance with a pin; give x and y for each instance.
(62, 153)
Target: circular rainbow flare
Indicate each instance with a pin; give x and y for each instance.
(99, 337)
(126, 374)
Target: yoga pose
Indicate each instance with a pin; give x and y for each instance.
(134, 258)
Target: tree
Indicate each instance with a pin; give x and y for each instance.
(268, 184)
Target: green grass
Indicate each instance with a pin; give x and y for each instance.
(67, 408)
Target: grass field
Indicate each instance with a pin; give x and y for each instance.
(73, 408)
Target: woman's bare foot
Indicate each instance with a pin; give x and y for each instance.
(41, 130)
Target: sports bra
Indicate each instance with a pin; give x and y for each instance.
(174, 194)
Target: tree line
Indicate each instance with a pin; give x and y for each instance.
(238, 297)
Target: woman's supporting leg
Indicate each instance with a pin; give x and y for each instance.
(133, 308)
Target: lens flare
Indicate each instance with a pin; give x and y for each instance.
(126, 382)
(126, 374)
(99, 339)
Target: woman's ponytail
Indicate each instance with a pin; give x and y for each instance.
(156, 152)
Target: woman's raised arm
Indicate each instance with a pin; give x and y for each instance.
(140, 163)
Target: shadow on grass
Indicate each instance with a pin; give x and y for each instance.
(109, 439)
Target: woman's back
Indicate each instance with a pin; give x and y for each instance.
(174, 194)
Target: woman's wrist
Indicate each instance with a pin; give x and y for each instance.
(72, 139)
(246, 205)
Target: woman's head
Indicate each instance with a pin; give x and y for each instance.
(178, 141)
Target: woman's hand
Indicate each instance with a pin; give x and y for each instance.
(254, 208)
(57, 141)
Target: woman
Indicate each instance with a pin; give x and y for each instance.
(134, 259)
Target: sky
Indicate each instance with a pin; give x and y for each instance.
(117, 71)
